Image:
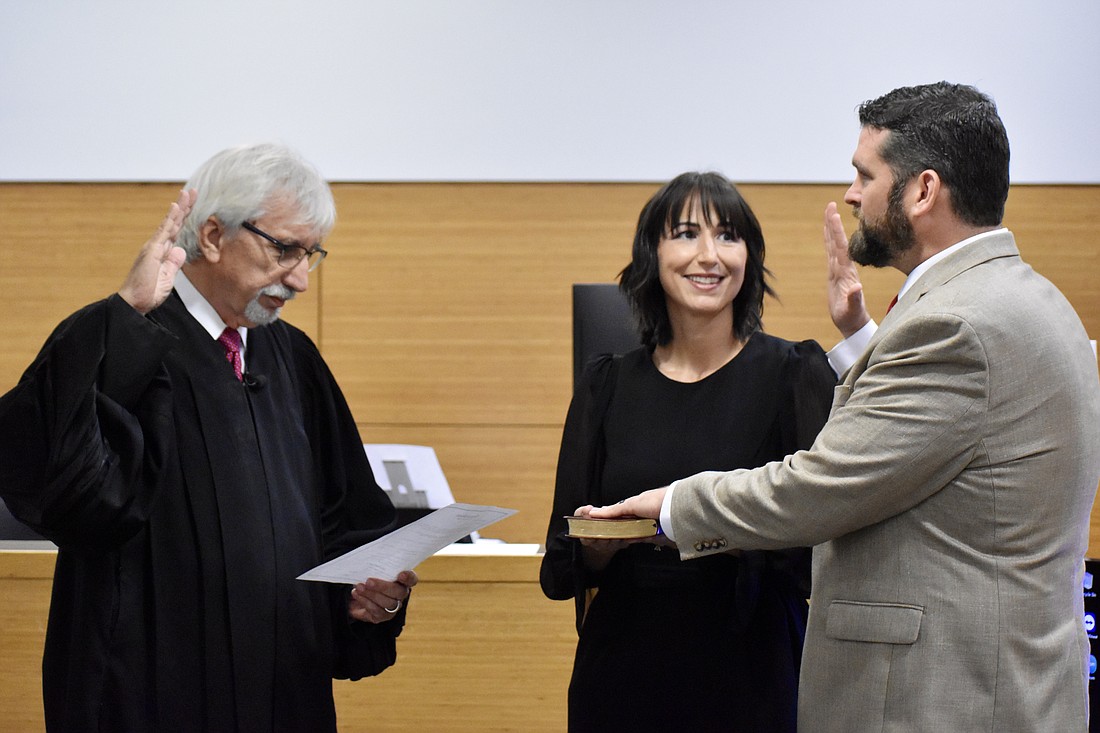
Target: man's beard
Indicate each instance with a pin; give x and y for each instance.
(261, 316)
(879, 244)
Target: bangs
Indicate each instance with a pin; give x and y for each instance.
(640, 280)
(716, 197)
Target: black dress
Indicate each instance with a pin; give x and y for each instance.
(184, 504)
(707, 644)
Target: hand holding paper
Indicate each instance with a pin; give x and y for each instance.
(408, 546)
(376, 601)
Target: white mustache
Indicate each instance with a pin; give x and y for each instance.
(282, 292)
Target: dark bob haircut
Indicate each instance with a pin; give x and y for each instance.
(640, 280)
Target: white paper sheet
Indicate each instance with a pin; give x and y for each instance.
(408, 546)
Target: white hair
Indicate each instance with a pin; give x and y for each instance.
(238, 184)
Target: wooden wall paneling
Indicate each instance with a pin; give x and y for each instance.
(790, 215)
(444, 309)
(70, 245)
(1058, 231)
(495, 351)
(482, 650)
(451, 301)
(22, 634)
(25, 582)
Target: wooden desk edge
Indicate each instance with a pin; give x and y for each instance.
(38, 564)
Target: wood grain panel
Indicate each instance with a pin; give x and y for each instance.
(467, 317)
(72, 244)
(1058, 231)
(451, 303)
(444, 309)
(482, 650)
(474, 656)
(25, 582)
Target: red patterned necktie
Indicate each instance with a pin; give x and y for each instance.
(889, 307)
(231, 340)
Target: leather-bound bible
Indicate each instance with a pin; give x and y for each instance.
(619, 528)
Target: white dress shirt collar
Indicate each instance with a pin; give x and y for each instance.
(924, 266)
(201, 310)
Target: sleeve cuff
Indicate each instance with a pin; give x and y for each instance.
(844, 354)
(666, 514)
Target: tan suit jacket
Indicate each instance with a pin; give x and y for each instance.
(948, 498)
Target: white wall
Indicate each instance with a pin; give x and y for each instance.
(514, 90)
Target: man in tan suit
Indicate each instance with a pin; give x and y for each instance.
(948, 497)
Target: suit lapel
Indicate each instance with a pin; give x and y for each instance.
(973, 255)
(999, 245)
(992, 247)
(989, 248)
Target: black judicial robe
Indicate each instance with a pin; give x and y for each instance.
(184, 504)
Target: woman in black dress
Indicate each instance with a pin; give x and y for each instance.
(712, 644)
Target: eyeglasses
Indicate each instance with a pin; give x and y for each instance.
(290, 254)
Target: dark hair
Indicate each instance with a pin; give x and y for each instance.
(640, 280)
(954, 130)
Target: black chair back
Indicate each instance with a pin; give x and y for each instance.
(602, 323)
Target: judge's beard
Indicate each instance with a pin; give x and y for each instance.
(261, 316)
(880, 243)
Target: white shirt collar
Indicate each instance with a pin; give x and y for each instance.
(201, 310)
(924, 266)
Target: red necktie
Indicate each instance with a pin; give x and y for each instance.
(892, 304)
(231, 340)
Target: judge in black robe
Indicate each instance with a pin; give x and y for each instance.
(185, 503)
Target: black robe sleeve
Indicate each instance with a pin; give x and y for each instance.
(807, 383)
(353, 509)
(88, 428)
(562, 573)
(810, 381)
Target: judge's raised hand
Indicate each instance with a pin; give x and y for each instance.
(154, 271)
(845, 294)
(377, 600)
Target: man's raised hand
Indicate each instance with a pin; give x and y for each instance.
(154, 271)
(845, 290)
